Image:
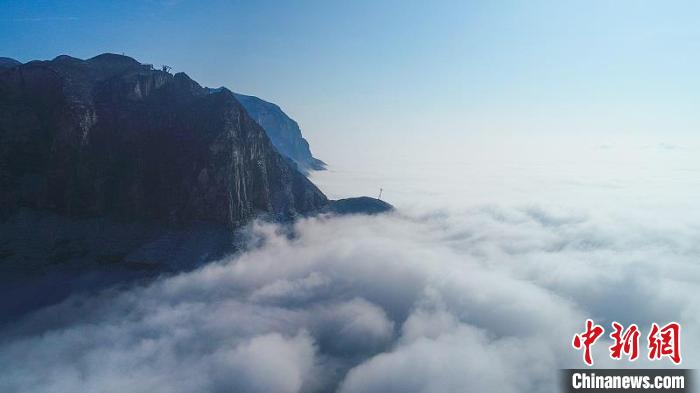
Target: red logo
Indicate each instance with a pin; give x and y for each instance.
(665, 341)
(662, 341)
(627, 342)
(586, 340)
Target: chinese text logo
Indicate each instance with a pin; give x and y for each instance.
(662, 341)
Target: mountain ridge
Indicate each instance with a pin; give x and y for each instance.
(284, 132)
(8, 62)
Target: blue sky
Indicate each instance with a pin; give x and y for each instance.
(382, 68)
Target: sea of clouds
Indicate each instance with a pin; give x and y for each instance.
(477, 282)
(485, 299)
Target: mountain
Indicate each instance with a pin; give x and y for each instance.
(283, 131)
(6, 62)
(111, 170)
(112, 137)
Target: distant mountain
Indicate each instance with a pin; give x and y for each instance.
(283, 131)
(6, 62)
(358, 205)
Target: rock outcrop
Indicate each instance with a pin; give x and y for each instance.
(357, 205)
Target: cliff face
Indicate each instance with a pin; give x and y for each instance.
(111, 171)
(283, 131)
(110, 137)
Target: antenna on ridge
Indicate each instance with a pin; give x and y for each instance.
(380, 193)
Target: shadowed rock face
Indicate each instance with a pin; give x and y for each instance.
(110, 137)
(283, 131)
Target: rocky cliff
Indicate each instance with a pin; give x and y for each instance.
(113, 171)
(283, 131)
(110, 137)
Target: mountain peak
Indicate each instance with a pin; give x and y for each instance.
(7, 62)
(112, 58)
(65, 59)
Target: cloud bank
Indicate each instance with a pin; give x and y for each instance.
(485, 299)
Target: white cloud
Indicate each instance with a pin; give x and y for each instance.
(419, 302)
